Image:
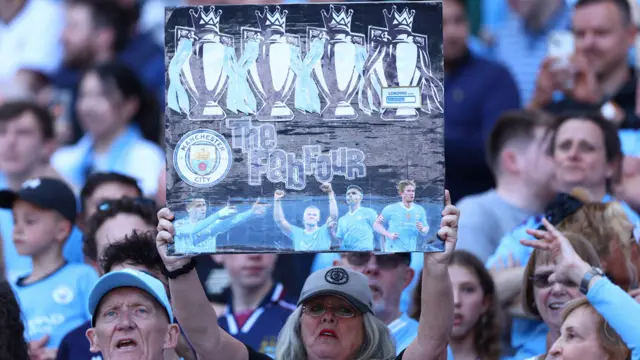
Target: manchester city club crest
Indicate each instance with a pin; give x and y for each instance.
(202, 158)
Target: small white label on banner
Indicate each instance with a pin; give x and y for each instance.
(401, 97)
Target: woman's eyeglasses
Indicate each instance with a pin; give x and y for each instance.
(541, 281)
(318, 309)
(386, 262)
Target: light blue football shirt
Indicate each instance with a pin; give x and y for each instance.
(356, 230)
(317, 240)
(57, 303)
(402, 220)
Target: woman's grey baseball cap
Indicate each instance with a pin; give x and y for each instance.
(339, 281)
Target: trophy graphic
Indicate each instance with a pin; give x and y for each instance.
(203, 72)
(339, 72)
(399, 61)
(271, 76)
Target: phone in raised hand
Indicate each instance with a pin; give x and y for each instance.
(560, 47)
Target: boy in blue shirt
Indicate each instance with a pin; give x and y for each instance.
(53, 296)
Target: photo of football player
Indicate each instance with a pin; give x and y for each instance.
(312, 237)
(197, 232)
(354, 230)
(402, 223)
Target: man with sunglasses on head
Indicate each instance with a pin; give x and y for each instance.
(388, 276)
(114, 220)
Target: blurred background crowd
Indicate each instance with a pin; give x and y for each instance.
(82, 89)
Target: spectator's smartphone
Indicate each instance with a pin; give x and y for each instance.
(637, 52)
(560, 45)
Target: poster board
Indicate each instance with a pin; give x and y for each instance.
(291, 128)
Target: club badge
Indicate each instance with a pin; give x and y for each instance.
(202, 158)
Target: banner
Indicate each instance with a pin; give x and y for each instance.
(305, 127)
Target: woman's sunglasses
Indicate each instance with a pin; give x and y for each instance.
(106, 205)
(387, 262)
(541, 281)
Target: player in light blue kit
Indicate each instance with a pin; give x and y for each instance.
(198, 232)
(406, 220)
(355, 228)
(312, 237)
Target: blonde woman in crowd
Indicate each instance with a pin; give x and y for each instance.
(477, 324)
(602, 326)
(544, 299)
(333, 320)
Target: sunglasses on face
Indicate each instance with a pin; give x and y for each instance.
(541, 281)
(106, 205)
(318, 309)
(386, 262)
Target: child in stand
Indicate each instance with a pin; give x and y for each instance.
(54, 295)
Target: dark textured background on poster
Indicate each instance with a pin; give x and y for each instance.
(267, 104)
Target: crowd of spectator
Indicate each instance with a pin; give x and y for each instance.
(542, 232)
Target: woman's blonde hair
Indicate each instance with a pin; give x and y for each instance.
(601, 223)
(377, 345)
(608, 338)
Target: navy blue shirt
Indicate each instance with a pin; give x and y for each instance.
(142, 55)
(261, 329)
(476, 92)
(75, 345)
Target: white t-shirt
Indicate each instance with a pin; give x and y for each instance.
(32, 39)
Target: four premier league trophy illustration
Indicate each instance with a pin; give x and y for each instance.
(272, 76)
(398, 58)
(339, 72)
(199, 62)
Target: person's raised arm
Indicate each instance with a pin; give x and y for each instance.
(192, 309)
(436, 318)
(278, 214)
(211, 219)
(333, 204)
(617, 307)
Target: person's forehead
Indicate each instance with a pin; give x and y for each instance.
(582, 318)
(26, 119)
(113, 190)
(598, 14)
(579, 129)
(311, 209)
(128, 296)
(544, 265)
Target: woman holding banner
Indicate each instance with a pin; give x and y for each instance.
(333, 319)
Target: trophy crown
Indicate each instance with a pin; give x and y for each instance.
(340, 21)
(396, 21)
(272, 21)
(202, 154)
(206, 21)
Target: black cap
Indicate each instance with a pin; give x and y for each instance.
(46, 193)
(404, 255)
